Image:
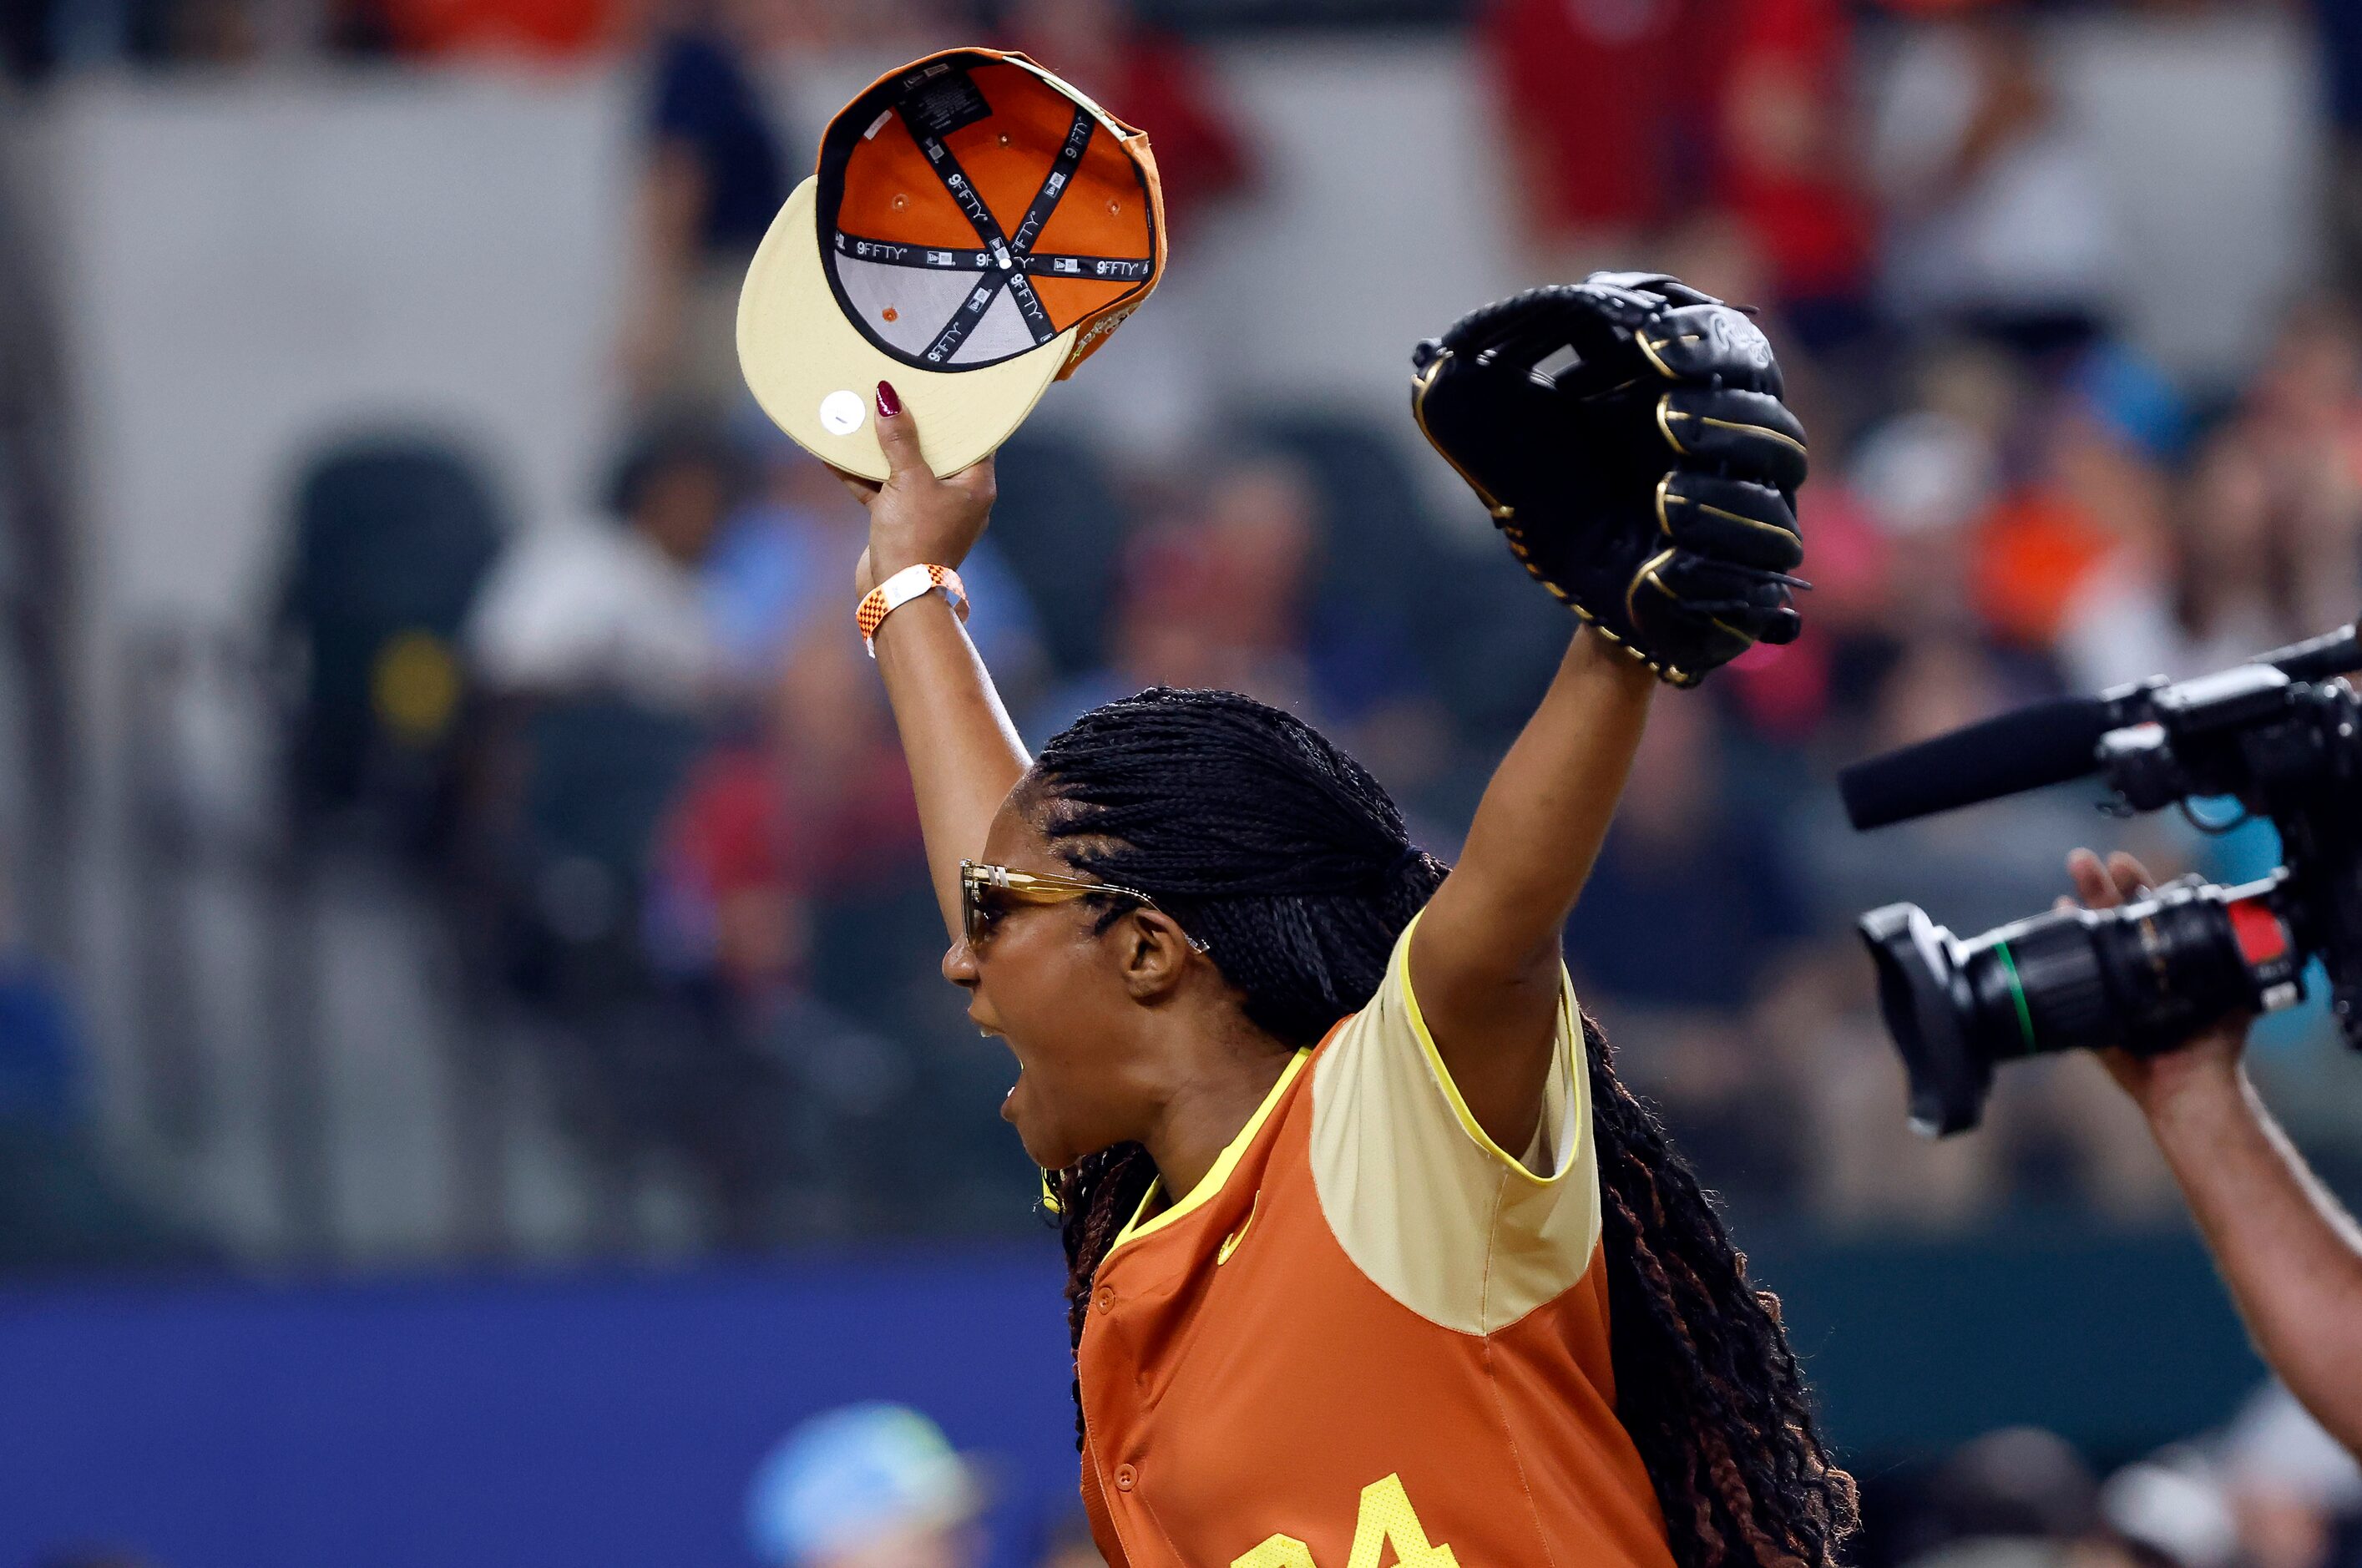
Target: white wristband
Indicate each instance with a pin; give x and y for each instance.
(910, 582)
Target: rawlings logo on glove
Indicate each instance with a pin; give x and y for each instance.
(1651, 484)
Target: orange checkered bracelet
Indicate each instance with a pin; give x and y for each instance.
(910, 582)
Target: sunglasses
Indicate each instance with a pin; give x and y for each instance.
(986, 891)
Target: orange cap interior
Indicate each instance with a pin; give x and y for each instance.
(973, 208)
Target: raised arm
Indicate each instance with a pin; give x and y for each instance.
(1485, 960)
(1652, 485)
(2290, 1255)
(964, 753)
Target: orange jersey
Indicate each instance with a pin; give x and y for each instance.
(1370, 1336)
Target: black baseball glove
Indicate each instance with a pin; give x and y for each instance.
(1651, 483)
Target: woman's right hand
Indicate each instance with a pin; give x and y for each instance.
(916, 519)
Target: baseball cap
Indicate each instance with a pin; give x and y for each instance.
(975, 230)
(849, 1475)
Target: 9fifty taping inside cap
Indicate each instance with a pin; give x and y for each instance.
(975, 229)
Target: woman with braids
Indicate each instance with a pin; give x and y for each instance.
(1373, 1259)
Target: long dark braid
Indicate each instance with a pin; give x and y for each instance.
(1705, 1380)
(1291, 862)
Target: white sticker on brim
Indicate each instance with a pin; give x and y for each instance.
(841, 413)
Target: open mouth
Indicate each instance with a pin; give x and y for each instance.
(988, 1031)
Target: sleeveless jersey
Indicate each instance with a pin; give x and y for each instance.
(1370, 1336)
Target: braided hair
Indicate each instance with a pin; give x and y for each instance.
(1291, 862)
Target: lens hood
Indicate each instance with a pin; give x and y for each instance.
(1929, 1007)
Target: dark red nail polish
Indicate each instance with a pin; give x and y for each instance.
(888, 403)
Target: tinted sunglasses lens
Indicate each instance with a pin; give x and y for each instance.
(971, 906)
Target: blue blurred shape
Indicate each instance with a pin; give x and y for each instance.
(851, 1474)
(2134, 397)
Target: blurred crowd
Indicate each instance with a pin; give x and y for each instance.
(640, 761)
(2268, 1489)
(876, 1486)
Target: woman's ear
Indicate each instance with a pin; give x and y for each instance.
(1154, 953)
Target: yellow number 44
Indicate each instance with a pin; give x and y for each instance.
(1386, 1518)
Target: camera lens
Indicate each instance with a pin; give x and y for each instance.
(2143, 977)
(2042, 983)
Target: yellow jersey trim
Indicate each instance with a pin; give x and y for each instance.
(1578, 1079)
(1233, 1152)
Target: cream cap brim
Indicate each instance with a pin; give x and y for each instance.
(800, 356)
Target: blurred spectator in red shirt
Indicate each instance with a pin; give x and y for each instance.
(1627, 116)
(1147, 79)
(816, 802)
(1787, 163)
(546, 29)
(1607, 128)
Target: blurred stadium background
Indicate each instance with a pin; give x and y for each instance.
(473, 1067)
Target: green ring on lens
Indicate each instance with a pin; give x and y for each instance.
(2017, 995)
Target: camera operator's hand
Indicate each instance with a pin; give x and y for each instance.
(2290, 1255)
(2208, 1063)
